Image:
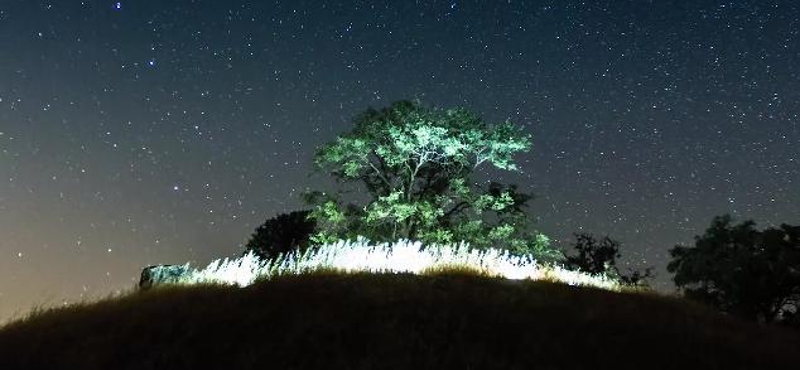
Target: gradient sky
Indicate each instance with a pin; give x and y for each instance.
(154, 131)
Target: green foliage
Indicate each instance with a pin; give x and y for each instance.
(283, 233)
(415, 164)
(738, 269)
(600, 257)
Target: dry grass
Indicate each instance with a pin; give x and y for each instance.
(446, 319)
(402, 256)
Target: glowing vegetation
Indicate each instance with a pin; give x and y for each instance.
(399, 257)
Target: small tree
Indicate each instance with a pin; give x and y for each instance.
(600, 257)
(415, 166)
(743, 271)
(281, 234)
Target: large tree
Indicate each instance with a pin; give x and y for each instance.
(415, 168)
(743, 271)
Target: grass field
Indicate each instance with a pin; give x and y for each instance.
(438, 320)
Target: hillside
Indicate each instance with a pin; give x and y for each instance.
(390, 321)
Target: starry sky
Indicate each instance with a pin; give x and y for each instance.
(163, 131)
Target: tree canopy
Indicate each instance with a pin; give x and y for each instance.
(600, 257)
(415, 166)
(743, 271)
(281, 234)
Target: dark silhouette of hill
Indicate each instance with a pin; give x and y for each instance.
(329, 320)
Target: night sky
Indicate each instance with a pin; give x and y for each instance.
(144, 132)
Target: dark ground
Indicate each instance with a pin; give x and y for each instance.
(363, 321)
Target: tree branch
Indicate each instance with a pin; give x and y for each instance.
(461, 206)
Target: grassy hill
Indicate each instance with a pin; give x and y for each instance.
(390, 321)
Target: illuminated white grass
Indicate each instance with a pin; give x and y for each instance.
(400, 257)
